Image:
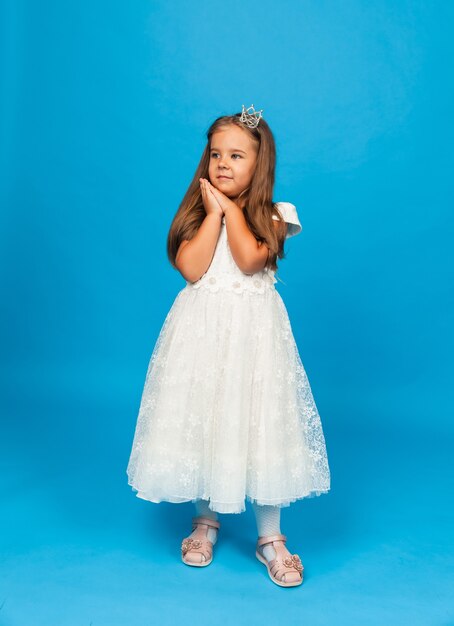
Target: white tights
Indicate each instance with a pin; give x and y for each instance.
(202, 508)
(267, 517)
(268, 520)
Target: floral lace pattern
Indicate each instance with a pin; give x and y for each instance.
(255, 283)
(227, 413)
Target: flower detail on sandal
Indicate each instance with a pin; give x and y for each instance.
(190, 544)
(293, 561)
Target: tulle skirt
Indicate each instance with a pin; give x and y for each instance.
(227, 413)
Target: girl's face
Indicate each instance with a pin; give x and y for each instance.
(233, 157)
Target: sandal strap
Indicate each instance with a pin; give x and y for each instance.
(284, 563)
(278, 567)
(263, 540)
(197, 544)
(205, 521)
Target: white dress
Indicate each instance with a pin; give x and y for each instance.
(227, 413)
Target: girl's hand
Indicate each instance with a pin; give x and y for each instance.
(224, 201)
(210, 202)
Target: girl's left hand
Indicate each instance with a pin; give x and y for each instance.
(223, 200)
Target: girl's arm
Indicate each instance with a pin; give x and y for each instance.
(194, 255)
(249, 254)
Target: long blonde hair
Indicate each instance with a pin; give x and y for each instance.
(257, 198)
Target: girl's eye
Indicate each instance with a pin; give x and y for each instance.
(213, 154)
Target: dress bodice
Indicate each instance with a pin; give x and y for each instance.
(225, 274)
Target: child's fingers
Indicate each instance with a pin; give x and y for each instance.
(209, 187)
(205, 187)
(214, 191)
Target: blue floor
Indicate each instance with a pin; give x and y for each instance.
(79, 548)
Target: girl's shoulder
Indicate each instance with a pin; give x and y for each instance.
(290, 216)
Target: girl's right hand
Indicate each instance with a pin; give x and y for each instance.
(209, 200)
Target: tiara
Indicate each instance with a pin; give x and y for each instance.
(251, 119)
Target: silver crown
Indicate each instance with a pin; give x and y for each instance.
(251, 119)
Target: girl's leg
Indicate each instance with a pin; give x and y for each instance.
(269, 523)
(202, 508)
(268, 520)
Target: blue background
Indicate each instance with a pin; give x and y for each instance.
(103, 110)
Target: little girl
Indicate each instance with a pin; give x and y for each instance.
(227, 413)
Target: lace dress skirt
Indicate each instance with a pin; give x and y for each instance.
(227, 412)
